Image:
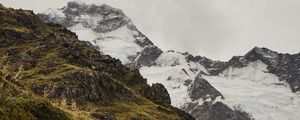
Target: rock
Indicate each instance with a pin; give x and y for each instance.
(213, 67)
(217, 111)
(201, 89)
(103, 116)
(90, 87)
(161, 93)
(157, 93)
(145, 57)
(188, 82)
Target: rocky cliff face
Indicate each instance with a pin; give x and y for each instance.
(48, 73)
(215, 111)
(285, 66)
(212, 67)
(201, 89)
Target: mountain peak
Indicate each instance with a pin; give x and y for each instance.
(88, 21)
(75, 3)
(258, 52)
(84, 8)
(256, 48)
(101, 18)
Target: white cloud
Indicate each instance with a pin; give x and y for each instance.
(217, 29)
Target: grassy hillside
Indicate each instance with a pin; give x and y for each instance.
(47, 73)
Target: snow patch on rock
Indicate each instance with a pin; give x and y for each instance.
(119, 43)
(173, 71)
(257, 92)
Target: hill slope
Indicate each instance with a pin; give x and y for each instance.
(47, 73)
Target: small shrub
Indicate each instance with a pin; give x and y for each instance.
(40, 108)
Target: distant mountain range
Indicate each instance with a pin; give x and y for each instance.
(262, 84)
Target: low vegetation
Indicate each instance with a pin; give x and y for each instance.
(48, 74)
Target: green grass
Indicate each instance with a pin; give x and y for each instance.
(28, 107)
(29, 40)
(145, 109)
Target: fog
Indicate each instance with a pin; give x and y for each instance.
(218, 29)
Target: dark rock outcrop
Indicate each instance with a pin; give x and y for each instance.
(103, 116)
(213, 67)
(218, 111)
(146, 57)
(201, 89)
(91, 87)
(157, 93)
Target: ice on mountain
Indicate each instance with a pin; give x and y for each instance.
(54, 14)
(257, 92)
(84, 34)
(164, 68)
(119, 44)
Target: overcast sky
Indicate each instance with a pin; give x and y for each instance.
(218, 29)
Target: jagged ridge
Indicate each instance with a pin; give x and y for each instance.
(285, 66)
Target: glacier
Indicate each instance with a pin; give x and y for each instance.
(258, 92)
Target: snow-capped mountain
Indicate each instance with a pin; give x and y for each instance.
(107, 29)
(263, 82)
